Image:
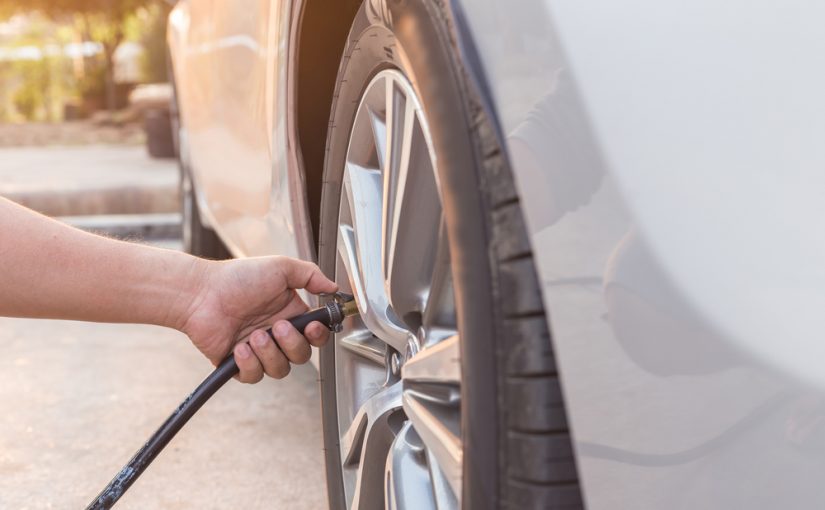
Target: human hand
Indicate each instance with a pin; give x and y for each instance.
(238, 299)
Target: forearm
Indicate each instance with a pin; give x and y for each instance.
(50, 270)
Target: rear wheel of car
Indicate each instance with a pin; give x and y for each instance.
(444, 392)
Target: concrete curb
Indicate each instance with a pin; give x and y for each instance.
(129, 226)
(90, 179)
(105, 201)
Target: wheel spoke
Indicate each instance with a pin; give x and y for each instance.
(379, 135)
(439, 310)
(407, 478)
(373, 411)
(401, 117)
(411, 207)
(394, 103)
(364, 344)
(431, 379)
(359, 247)
(366, 442)
(445, 495)
(440, 363)
(442, 443)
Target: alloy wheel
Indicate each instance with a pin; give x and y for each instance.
(397, 365)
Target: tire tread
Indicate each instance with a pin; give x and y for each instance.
(539, 465)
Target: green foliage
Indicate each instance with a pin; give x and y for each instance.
(27, 100)
(41, 88)
(103, 21)
(93, 83)
(36, 89)
(114, 10)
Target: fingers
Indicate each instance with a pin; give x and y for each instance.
(250, 367)
(293, 344)
(316, 334)
(263, 356)
(306, 275)
(274, 362)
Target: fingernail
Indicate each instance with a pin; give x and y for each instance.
(312, 333)
(259, 339)
(242, 351)
(282, 328)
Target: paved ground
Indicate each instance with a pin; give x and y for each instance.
(78, 399)
(91, 179)
(82, 132)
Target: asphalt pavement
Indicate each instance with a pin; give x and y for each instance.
(78, 399)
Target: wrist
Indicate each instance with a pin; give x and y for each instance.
(193, 284)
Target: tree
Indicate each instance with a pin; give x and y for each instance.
(101, 21)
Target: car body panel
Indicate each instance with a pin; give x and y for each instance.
(231, 70)
(669, 160)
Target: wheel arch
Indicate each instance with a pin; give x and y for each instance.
(318, 32)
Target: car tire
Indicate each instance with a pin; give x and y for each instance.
(517, 450)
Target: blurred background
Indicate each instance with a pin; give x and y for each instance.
(65, 60)
(85, 82)
(86, 137)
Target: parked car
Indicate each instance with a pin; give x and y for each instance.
(584, 238)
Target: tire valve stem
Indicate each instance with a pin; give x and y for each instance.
(348, 305)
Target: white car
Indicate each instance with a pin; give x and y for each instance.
(586, 238)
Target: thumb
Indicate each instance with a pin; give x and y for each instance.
(300, 274)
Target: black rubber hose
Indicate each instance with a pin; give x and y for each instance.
(328, 315)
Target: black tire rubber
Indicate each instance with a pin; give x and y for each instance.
(517, 446)
(160, 142)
